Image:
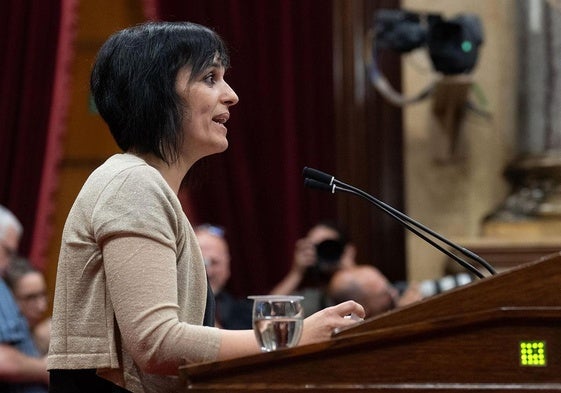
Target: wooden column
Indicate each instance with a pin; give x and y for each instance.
(369, 139)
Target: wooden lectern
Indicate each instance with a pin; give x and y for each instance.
(498, 334)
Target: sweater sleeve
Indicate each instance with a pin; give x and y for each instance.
(141, 279)
(136, 222)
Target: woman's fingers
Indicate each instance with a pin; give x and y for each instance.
(350, 308)
(350, 312)
(321, 325)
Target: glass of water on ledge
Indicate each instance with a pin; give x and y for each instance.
(277, 321)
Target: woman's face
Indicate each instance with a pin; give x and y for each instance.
(206, 100)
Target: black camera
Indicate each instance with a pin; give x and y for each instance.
(453, 44)
(329, 253)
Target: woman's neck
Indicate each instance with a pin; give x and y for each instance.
(173, 173)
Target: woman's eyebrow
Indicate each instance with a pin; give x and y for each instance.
(217, 64)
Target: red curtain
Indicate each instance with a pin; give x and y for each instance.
(35, 44)
(281, 54)
(282, 71)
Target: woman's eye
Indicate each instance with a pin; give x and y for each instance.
(210, 79)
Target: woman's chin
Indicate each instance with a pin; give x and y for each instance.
(217, 149)
(223, 146)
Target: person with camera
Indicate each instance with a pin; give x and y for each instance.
(324, 270)
(324, 250)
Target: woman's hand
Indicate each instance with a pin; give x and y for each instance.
(321, 325)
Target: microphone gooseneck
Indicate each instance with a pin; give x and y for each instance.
(314, 178)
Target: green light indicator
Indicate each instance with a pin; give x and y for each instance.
(533, 354)
(467, 46)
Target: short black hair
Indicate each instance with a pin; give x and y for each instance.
(133, 82)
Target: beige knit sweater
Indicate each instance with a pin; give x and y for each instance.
(131, 286)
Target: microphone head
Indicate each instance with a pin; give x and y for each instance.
(317, 175)
(311, 183)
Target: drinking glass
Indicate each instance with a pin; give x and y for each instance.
(277, 321)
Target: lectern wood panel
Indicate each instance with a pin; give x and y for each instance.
(499, 334)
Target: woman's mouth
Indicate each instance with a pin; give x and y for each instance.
(221, 119)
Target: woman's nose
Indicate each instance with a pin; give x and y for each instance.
(231, 98)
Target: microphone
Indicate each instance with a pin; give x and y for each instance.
(317, 179)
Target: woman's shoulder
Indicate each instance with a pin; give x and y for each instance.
(127, 173)
(124, 164)
(128, 184)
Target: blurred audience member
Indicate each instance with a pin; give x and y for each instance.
(231, 312)
(324, 250)
(22, 369)
(30, 290)
(368, 286)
